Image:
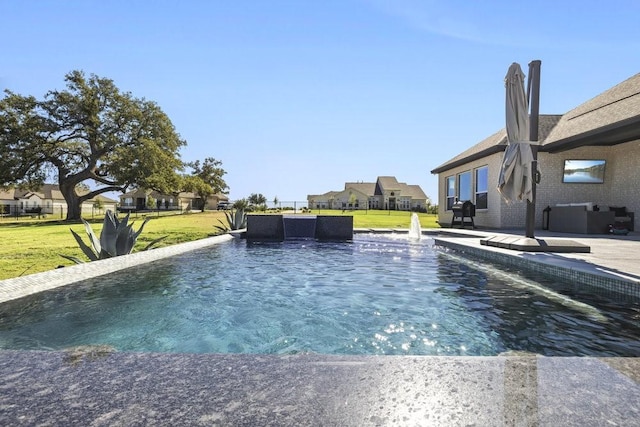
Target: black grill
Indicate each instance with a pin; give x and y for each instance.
(461, 211)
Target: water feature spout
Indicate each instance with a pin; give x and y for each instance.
(299, 227)
(415, 232)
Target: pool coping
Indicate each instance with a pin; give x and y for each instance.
(19, 287)
(72, 388)
(597, 278)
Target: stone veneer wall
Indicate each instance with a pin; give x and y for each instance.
(621, 185)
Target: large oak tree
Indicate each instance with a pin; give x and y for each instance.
(89, 133)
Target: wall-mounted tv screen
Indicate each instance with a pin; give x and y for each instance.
(583, 171)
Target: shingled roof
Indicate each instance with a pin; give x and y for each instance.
(495, 144)
(383, 183)
(413, 190)
(613, 117)
(46, 191)
(367, 188)
(387, 183)
(328, 194)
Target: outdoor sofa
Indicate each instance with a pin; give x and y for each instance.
(578, 218)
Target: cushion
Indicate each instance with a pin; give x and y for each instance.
(619, 211)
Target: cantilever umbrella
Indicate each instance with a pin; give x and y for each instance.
(515, 181)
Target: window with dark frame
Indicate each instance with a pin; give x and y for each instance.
(482, 187)
(450, 191)
(465, 190)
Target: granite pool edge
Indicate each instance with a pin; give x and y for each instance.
(19, 287)
(59, 388)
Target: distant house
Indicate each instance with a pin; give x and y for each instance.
(140, 199)
(386, 194)
(47, 200)
(605, 130)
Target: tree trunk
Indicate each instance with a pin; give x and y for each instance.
(73, 200)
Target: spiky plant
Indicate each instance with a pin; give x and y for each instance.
(235, 221)
(116, 238)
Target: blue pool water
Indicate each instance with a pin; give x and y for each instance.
(375, 295)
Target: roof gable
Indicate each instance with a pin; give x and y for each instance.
(366, 188)
(414, 191)
(349, 193)
(45, 192)
(387, 183)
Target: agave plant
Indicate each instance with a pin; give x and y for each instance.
(235, 221)
(116, 238)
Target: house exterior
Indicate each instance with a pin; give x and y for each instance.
(140, 199)
(385, 194)
(605, 128)
(47, 200)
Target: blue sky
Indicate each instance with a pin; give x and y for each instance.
(297, 97)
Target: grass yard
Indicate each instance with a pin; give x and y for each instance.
(387, 219)
(34, 246)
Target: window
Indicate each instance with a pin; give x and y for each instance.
(464, 186)
(451, 191)
(482, 186)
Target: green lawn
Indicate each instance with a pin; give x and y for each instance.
(32, 246)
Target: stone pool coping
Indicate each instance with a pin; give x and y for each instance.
(65, 388)
(19, 287)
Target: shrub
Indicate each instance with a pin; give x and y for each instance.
(235, 221)
(116, 238)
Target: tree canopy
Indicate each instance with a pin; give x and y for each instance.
(205, 179)
(257, 201)
(89, 133)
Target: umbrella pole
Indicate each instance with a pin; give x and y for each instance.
(533, 92)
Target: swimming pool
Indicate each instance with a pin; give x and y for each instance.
(375, 295)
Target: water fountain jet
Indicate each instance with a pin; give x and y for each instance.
(415, 232)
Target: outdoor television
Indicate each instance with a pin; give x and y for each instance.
(583, 171)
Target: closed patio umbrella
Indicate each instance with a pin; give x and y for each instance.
(515, 181)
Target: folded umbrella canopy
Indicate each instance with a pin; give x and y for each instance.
(515, 181)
